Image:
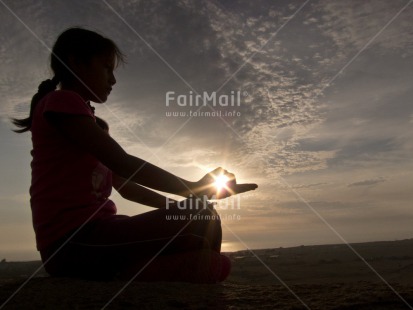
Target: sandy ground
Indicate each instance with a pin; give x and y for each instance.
(310, 277)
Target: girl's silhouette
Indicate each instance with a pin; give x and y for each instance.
(75, 165)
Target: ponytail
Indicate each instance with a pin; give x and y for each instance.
(45, 87)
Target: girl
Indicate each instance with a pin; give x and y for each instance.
(75, 164)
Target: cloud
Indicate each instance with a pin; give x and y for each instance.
(370, 182)
(353, 23)
(312, 185)
(206, 46)
(221, 39)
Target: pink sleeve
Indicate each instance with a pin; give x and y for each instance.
(67, 102)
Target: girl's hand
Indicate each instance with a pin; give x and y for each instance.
(219, 184)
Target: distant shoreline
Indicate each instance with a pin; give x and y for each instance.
(2, 259)
(329, 263)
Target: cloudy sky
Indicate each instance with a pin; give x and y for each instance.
(323, 123)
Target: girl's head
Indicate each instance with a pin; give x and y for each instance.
(83, 61)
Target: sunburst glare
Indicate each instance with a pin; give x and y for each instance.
(220, 182)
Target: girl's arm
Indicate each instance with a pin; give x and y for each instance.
(137, 193)
(84, 133)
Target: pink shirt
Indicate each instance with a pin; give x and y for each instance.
(69, 185)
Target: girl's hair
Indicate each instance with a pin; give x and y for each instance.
(74, 44)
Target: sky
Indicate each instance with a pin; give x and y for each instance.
(322, 117)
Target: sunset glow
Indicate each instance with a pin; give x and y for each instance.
(220, 182)
(308, 99)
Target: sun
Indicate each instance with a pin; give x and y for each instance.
(221, 182)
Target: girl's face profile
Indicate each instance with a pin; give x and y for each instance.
(96, 77)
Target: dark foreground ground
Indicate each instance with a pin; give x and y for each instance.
(310, 277)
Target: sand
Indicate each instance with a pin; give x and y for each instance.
(306, 277)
